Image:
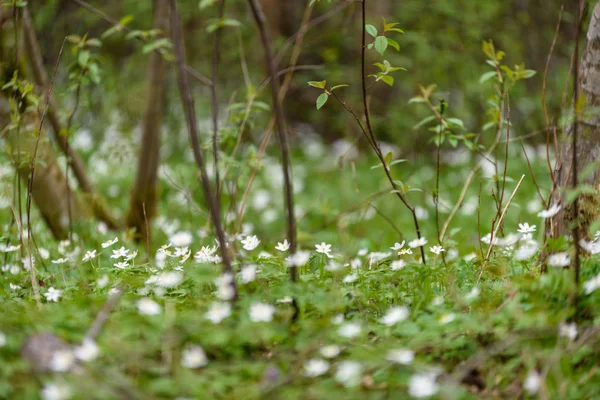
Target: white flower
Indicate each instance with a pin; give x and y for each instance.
(397, 265)
(592, 247)
(283, 246)
(14, 287)
(218, 312)
(350, 330)
(181, 239)
(568, 330)
(148, 307)
(437, 250)
(53, 294)
(363, 252)
(526, 228)
(45, 254)
(261, 312)
(88, 351)
(60, 261)
(298, 259)
(394, 315)
(330, 351)
(470, 257)
(315, 367)
(109, 243)
(404, 251)
(102, 282)
(526, 251)
(133, 255)
(122, 252)
(417, 243)
(89, 255)
(397, 246)
(338, 319)
(551, 212)
(323, 248)
(333, 266)
(350, 278)
(423, 384)
(401, 356)
(559, 260)
(224, 285)
(250, 242)
(472, 295)
(169, 279)
(56, 391)
(121, 265)
(447, 318)
(248, 273)
(62, 360)
(193, 357)
(592, 284)
(14, 269)
(348, 373)
(532, 382)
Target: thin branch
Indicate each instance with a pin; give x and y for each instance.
(107, 18)
(260, 19)
(188, 105)
(371, 134)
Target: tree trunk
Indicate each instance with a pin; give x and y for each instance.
(588, 146)
(49, 188)
(144, 192)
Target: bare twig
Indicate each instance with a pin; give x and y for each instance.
(260, 19)
(96, 327)
(188, 105)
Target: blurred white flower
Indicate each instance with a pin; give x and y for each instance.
(298, 259)
(193, 357)
(568, 330)
(447, 318)
(121, 265)
(437, 250)
(592, 284)
(349, 373)
(394, 315)
(526, 251)
(224, 285)
(330, 351)
(56, 391)
(62, 361)
(89, 255)
(397, 246)
(423, 384)
(350, 278)
(181, 239)
(532, 382)
(248, 273)
(217, 312)
(88, 351)
(350, 330)
(315, 367)
(261, 312)
(417, 242)
(401, 356)
(148, 307)
(559, 260)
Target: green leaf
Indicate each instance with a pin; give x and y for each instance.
(388, 79)
(424, 121)
(371, 30)
(456, 121)
(338, 87)
(526, 74)
(394, 44)
(205, 3)
(319, 85)
(487, 76)
(381, 43)
(321, 100)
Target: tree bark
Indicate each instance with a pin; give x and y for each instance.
(49, 188)
(588, 145)
(144, 193)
